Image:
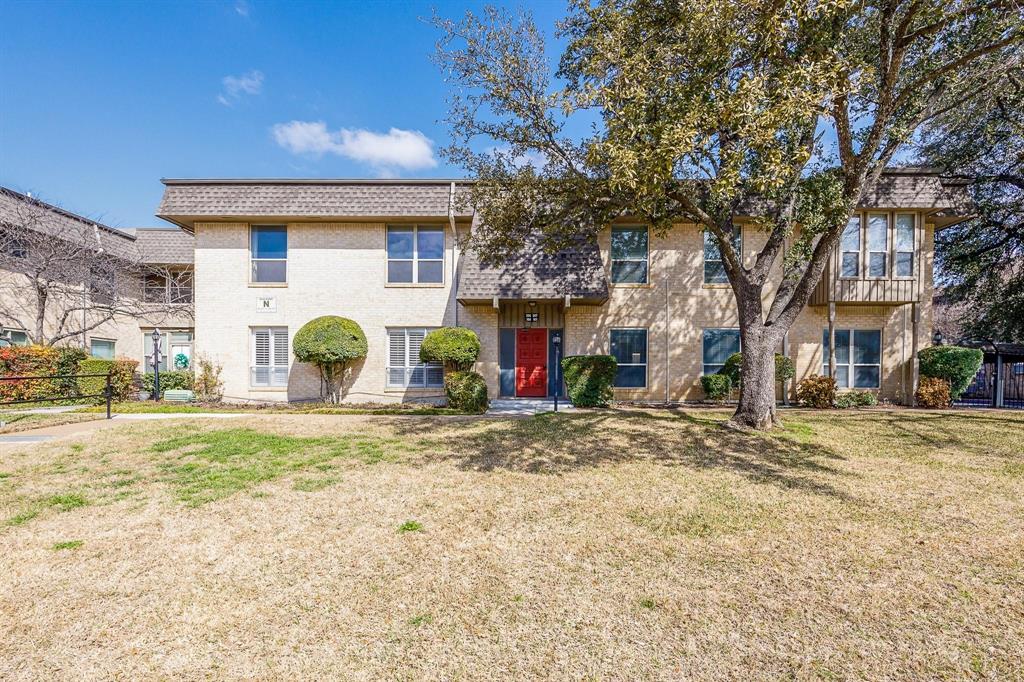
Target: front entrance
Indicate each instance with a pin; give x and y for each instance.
(532, 362)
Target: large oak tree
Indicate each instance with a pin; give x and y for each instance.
(704, 111)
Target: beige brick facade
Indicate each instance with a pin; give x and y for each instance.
(339, 268)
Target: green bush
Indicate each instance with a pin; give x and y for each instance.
(933, 393)
(456, 347)
(716, 386)
(29, 361)
(856, 399)
(466, 391)
(784, 368)
(208, 385)
(122, 377)
(169, 381)
(817, 391)
(331, 343)
(589, 379)
(67, 364)
(955, 364)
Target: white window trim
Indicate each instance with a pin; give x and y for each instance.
(851, 366)
(860, 248)
(646, 259)
(647, 341)
(913, 245)
(888, 245)
(253, 259)
(738, 246)
(409, 365)
(416, 260)
(703, 364)
(272, 353)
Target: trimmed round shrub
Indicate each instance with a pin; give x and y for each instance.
(784, 368)
(933, 393)
(716, 386)
(817, 391)
(955, 364)
(589, 379)
(331, 343)
(455, 347)
(466, 391)
(122, 378)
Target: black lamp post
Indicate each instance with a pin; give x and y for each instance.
(556, 341)
(156, 364)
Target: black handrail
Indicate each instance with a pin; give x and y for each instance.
(107, 393)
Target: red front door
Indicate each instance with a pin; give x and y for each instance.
(532, 363)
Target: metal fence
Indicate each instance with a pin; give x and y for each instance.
(107, 393)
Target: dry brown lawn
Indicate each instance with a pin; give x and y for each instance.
(13, 422)
(615, 545)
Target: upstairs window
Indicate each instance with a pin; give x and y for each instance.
(849, 248)
(404, 368)
(181, 287)
(415, 254)
(13, 337)
(904, 256)
(714, 266)
(17, 248)
(157, 289)
(858, 357)
(269, 357)
(154, 288)
(102, 282)
(268, 250)
(718, 345)
(878, 244)
(629, 348)
(630, 251)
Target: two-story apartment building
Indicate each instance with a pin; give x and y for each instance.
(111, 313)
(272, 254)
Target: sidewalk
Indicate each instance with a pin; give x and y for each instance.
(48, 433)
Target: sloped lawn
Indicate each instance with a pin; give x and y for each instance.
(603, 545)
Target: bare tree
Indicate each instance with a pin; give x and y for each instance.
(62, 276)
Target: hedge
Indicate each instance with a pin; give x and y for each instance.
(466, 391)
(122, 376)
(856, 399)
(169, 381)
(589, 379)
(784, 368)
(716, 386)
(456, 347)
(39, 361)
(957, 365)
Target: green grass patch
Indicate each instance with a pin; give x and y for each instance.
(68, 544)
(410, 527)
(66, 502)
(422, 619)
(23, 516)
(211, 465)
(311, 485)
(648, 603)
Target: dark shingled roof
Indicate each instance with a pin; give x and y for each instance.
(534, 274)
(165, 245)
(915, 187)
(186, 201)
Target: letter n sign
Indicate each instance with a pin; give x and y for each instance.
(266, 304)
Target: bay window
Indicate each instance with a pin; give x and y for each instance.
(904, 256)
(878, 244)
(849, 248)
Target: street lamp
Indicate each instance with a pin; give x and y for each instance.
(156, 364)
(556, 341)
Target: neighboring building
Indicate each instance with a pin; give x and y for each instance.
(272, 254)
(150, 276)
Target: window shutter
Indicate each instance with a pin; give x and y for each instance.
(281, 347)
(262, 343)
(396, 357)
(418, 372)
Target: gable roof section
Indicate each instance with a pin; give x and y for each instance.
(186, 202)
(165, 246)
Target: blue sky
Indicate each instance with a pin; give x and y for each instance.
(100, 100)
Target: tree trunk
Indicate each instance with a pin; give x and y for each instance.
(332, 379)
(757, 391)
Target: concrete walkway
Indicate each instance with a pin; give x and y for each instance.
(525, 407)
(48, 433)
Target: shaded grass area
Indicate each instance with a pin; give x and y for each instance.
(15, 422)
(619, 544)
(288, 408)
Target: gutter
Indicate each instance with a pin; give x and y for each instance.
(455, 251)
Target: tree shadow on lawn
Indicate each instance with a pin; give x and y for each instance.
(550, 443)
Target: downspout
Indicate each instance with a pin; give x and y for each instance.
(455, 252)
(85, 287)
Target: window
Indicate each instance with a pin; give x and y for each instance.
(714, 266)
(177, 356)
(904, 257)
(629, 255)
(101, 348)
(102, 282)
(719, 344)
(415, 254)
(629, 348)
(154, 289)
(17, 248)
(404, 368)
(181, 287)
(268, 248)
(878, 244)
(12, 337)
(849, 248)
(269, 357)
(858, 356)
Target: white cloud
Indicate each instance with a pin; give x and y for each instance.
(242, 7)
(385, 152)
(235, 87)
